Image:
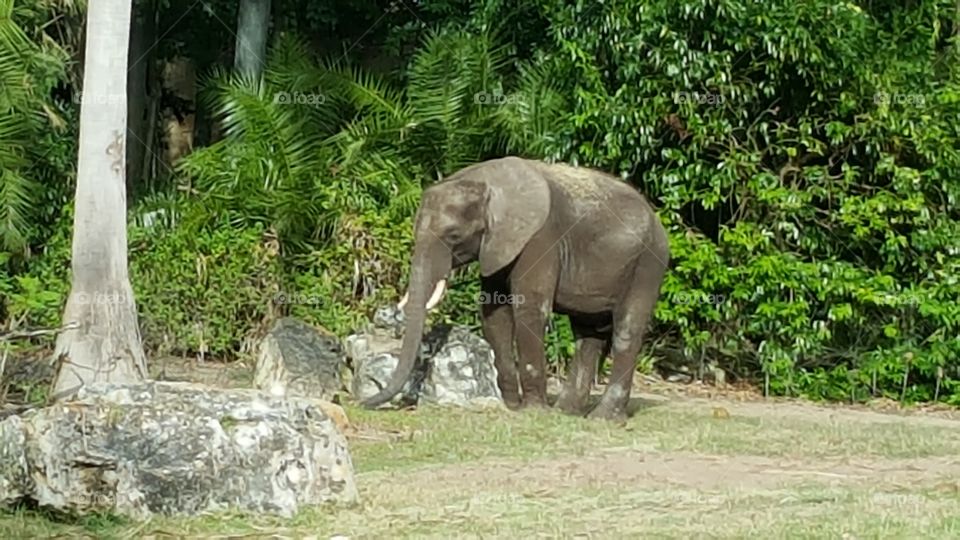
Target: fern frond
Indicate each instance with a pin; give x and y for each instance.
(16, 194)
(20, 113)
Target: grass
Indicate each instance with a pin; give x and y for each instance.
(674, 471)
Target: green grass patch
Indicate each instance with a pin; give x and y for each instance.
(411, 487)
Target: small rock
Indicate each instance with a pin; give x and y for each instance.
(389, 318)
(454, 365)
(719, 376)
(372, 373)
(461, 372)
(337, 414)
(296, 359)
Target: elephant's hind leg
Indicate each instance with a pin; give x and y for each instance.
(592, 345)
(629, 326)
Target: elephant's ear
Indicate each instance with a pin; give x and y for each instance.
(518, 203)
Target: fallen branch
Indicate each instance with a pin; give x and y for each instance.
(39, 332)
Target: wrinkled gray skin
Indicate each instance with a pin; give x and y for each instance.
(557, 238)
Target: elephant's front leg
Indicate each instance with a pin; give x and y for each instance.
(530, 320)
(498, 331)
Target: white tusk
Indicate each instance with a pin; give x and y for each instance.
(403, 301)
(437, 294)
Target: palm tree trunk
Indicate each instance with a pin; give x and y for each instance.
(105, 346)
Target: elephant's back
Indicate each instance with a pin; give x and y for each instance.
(584, 182)
(593, 195)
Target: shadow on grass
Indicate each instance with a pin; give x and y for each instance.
(635, 405)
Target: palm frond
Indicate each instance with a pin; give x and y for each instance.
(16, 193)
(531, 122)
(20, 112)
(367, 148)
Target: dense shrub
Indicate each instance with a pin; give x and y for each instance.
(806, 158)
(202, 291)
(197, 290)
(341, 285)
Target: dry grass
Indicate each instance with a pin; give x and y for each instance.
(675, 471)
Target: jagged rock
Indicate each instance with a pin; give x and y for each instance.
(461, 370)
(390, 319)
(454, 367)
(14, 477)
(296, 359)
(175, 449)
(374, 356)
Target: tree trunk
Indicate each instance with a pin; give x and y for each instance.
(106, 346)
(251, 49)
(141, 55)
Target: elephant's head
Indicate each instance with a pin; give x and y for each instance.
(487, 212)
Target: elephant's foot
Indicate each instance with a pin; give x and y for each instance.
(513, 405)
(512, 401)
(535, 402)
(606, 411)
(568, 403)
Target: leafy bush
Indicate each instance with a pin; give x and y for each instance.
(204, 290)
(36, 297)
(340, 286)
(33, 149)
(806, 158)
(197, 290)
(333, 159)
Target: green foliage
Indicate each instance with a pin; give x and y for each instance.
(805, 156)
(29, 68)
(333, 158)
(202, 290)
(197, 290)
(341, 286)
(36, 298)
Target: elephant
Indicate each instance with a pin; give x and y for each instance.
(549, 238)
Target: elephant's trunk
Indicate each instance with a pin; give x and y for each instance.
(431, 263)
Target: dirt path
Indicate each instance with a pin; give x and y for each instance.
(796, 410)
(627, 468)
